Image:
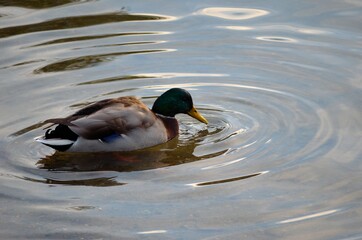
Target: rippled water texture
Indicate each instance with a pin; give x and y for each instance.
(279, 82)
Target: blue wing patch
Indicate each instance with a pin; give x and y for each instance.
(111, 138)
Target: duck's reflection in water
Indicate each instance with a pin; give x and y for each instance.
(168, 154)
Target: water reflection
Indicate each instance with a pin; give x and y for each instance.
(115, 79)
(93, 37)
(238, 28)
(201, 184)
(82, 208)
(89, 61)
(151, 75)
(274, 28)
(78, 22)
(70, 180)
(233, 13)
(38, 4)
(276, 39)
(152, 232)
(310, 216)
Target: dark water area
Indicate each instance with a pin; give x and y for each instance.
(279, 81)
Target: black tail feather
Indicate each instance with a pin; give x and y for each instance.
(61, 131)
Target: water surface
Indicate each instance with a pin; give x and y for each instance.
(279, 82)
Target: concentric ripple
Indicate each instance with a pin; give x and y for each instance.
(256, 124)
(262, 126)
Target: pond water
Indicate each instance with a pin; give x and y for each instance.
(279, 82)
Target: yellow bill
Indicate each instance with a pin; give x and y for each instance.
(195, 114)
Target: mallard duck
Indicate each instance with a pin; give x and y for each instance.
(120, 124)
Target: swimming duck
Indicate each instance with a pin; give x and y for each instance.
(120, 124)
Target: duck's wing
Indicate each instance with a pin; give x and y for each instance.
(108, 117)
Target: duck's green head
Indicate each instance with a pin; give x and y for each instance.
(174, 101)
